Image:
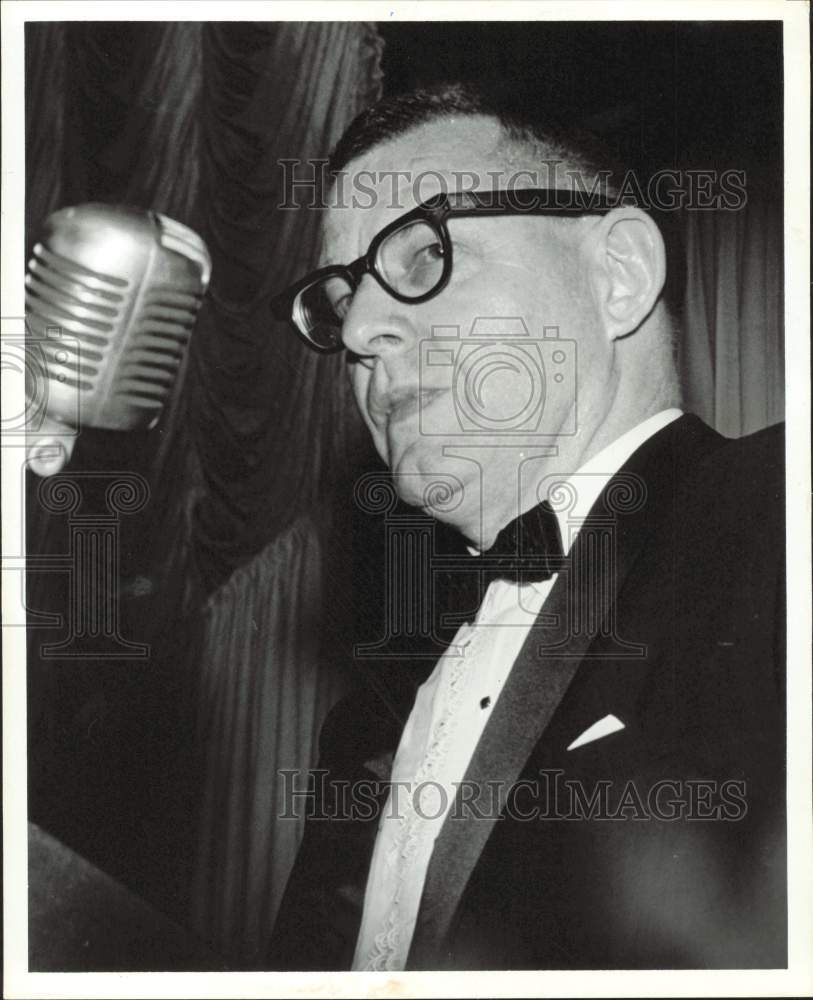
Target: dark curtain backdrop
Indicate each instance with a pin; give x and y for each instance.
(235, 572)
(733, 349)
(164, 770)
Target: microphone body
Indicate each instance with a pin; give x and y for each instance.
(112, 295)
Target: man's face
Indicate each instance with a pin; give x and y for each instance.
(507, 271)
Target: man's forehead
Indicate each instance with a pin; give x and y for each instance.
(451, 153)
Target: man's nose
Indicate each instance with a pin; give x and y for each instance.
(376, 323)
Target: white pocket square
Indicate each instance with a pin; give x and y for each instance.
(609, 724)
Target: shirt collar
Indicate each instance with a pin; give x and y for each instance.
(594, 475)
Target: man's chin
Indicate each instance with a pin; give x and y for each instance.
(426, 478)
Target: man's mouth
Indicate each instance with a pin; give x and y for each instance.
(401, 404)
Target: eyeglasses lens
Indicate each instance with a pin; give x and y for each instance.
(411, 259)
(319, 310)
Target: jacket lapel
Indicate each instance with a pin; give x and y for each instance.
(592, 575)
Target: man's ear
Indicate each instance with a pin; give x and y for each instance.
(629, 268)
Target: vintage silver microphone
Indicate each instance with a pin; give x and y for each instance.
(112, 295)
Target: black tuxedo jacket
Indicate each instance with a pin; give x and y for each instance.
(661, 845)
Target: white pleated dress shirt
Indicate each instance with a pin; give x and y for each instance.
(450, 713)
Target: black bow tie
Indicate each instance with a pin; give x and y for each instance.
(527, 550)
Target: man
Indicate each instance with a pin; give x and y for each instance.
(593, 774)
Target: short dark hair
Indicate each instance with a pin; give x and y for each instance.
(577, 149)
(396, 115)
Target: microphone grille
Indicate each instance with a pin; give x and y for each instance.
(112, 294)
(62, 294)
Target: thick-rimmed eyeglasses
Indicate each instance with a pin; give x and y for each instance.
(411, 258)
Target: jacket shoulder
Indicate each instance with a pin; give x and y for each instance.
(746, 473)
(760, 456)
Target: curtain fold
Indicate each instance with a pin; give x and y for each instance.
(45, 123)
(265, 689)
(275, 425)
(732, 350)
